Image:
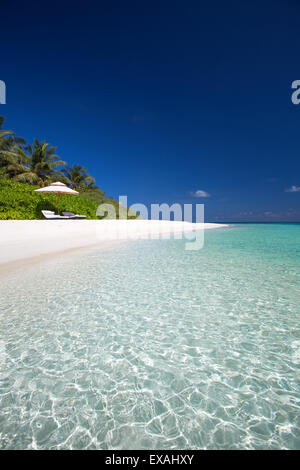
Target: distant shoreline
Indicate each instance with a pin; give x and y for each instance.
(265, 223)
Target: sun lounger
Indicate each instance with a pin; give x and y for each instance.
(74, 216)
(66, 215)
(52, 215)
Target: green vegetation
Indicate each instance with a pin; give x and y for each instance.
(79, 178)
(19, 201)
(24, 168)
(34, 165)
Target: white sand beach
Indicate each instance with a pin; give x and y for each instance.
(26, 239)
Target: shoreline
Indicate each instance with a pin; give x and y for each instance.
(29, 241)
(11, 267)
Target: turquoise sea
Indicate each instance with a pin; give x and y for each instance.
(150, 346)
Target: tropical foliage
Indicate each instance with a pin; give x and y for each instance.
(33, 164)
(24, 168)
(38, 163)
(79, 178)
(8, 138)
(19, 201)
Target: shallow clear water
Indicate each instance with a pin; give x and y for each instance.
(149, 346)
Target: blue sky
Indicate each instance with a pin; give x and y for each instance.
(161, 99)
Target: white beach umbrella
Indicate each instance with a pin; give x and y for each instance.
(57, 188)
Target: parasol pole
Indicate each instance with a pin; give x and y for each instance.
(57, 188)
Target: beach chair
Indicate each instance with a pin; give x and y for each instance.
(52, 215)
(72, 215)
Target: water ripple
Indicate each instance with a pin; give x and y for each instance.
(151, 347)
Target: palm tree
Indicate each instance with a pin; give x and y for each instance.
(4, 135)
(14, 163)
(91, 186)
(44, 161)
(8, 138)
(79, 178)
(36, 167)
(8, 141)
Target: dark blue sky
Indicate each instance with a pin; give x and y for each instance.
(159, 99)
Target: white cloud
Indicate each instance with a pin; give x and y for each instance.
(200, 193)
(293, 189)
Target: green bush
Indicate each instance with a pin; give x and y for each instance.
(18, 201)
